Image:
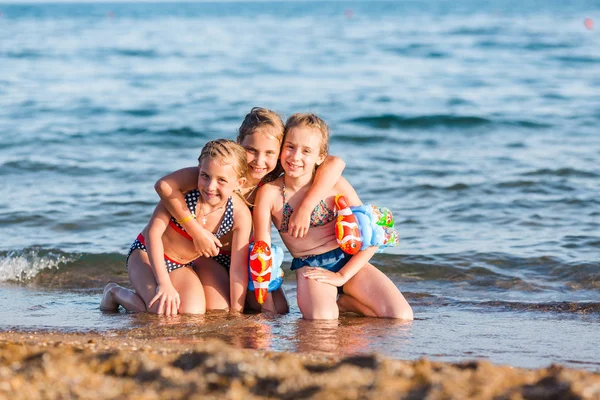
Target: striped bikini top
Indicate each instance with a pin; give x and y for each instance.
(191, 199)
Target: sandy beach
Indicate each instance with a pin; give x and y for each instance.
(58, 365)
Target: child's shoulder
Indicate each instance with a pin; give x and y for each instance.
(240, 209)
(272, 187)
(239, 205)
(344, 187)
(342, 184)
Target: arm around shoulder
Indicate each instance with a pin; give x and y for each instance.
(171, 188)
(334, 164)
(344, 187)
(181, 181)
(327, 174)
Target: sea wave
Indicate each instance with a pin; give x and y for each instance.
(494, 271)
(476, 31)
(143, 53)
(423, 299)
(418, 51)
(53, 268)
(569, 307)
(24, 265)
(24, 218)
(388, 121)
(37, 166)
(364, 140)
(578, 59)
(556, 306)
(142, 112)
(96, 138)
(562, 172)
(23, 54)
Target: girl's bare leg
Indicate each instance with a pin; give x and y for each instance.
(347, 303)
(190, 289)
(215, 281)
(268, 306)
(142, 279)
(316, 300)
(185, 281)
(115, 296)
(251, 303)
(377, 292)
(276, 302)
(141, 276)
(280, 301)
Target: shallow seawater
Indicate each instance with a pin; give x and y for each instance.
(474, 122)
(529, 339)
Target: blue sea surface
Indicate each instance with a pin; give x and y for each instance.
(476, 123)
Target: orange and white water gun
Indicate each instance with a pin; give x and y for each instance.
(260, 269)
(347, 231)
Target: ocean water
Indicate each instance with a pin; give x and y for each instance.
(476, 123)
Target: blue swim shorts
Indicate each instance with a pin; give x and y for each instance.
(333, 260)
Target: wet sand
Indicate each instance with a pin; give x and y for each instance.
(90, 365)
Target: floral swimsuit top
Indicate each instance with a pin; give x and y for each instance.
(321, 215)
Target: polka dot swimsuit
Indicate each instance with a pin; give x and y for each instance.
(191, 199)
(140, 243)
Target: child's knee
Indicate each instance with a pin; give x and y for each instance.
(281, 307)
(401, 311)
(321, 314)
(193, 307)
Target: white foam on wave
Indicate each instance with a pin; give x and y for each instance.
(21, 266)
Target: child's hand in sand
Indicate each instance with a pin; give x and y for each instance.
(168, 299)
(324, 276)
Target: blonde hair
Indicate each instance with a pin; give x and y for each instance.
(226, 151)
(312, 121)
(257, 118)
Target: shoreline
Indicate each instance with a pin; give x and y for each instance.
(78, 365)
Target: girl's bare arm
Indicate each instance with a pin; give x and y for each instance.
(238, 279)
(156, 227)
(171, 188)
(261, 215)
(326, 177)
(166, 294)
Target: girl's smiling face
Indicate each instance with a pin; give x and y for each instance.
(262, 151)
(217, 180)
(301, 152)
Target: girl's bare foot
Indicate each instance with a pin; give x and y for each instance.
(108, 302)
